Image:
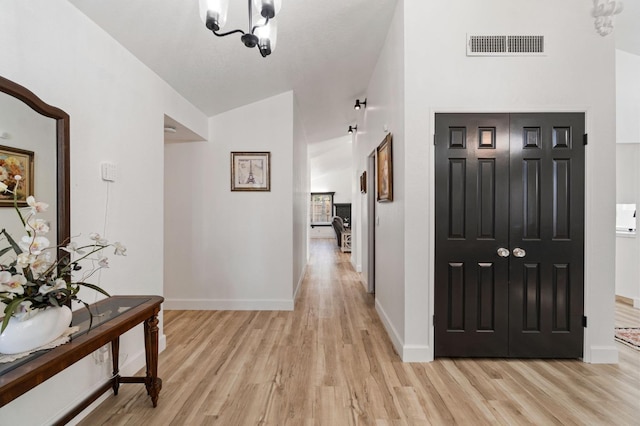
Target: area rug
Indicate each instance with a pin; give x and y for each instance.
(629, 336)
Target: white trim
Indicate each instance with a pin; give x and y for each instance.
(396, 339)
(591, 354)
(603, 354)
(300, 281)
(636, 302)
(229, 304)
(407, 353)
(417, 353)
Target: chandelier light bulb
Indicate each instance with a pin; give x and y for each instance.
(214, 13)
(268, 8)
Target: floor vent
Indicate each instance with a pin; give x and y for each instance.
(505, 45)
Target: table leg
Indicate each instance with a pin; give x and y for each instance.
(152, 382)
(115, 356)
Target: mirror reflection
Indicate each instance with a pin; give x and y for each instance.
(24, 131)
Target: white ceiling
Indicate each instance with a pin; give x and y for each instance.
(326, 52)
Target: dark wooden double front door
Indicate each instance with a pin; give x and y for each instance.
(509, 235)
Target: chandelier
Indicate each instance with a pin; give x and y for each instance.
(261, 35)
(604, 12)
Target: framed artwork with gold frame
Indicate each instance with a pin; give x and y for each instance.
(15, 161)
(251, 171)
(384, 169)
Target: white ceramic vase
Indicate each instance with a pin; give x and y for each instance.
(37, 330)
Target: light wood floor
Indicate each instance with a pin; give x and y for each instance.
(330, 362)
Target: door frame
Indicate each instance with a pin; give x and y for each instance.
(588, 281)
(371, 222)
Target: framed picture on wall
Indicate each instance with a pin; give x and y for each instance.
(14, 161)
(384, 168)
(363, 182)
(251, 171)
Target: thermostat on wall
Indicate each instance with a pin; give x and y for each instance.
(109, 172)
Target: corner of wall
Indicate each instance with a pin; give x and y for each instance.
(602, 355)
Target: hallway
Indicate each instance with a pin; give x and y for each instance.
(330, 362)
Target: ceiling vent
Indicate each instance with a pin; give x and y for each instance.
(505, 45)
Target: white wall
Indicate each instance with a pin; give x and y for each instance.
(300, 200)
(628, 244)
(116, 105)
(627, 97)
(330, 167)
(234, 250)
(385, 107)
(576, 74)
(627, 170)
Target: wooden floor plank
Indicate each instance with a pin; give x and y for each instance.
(330, 362)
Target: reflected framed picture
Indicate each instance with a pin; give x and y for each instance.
(384, 169)
(14, 161)
(251, 171)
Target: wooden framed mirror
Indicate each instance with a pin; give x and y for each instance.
(29, 124)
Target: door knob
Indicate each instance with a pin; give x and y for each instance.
(518, 252)
(503, 252)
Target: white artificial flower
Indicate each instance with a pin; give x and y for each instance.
(41, 263)
(5, 277)
(17, 178)
(40, 226)
(3, 187)
(15, 285)
(103, 262)
(34, 245)
(72, 248)
(46, 288)
(98, 239)
(36, 206)
(120, 249)
(24, 311)
(25, 259)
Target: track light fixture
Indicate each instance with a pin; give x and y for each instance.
(262, 35)
(352, 129)
(360, 104)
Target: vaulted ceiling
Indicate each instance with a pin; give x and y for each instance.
(326, 52)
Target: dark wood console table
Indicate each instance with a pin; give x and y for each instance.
(112, 317)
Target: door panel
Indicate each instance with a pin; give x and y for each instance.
(547, 222)
(511, 181)
(472, 223)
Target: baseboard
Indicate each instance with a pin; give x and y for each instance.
(416, 353)
(396, 339)
(603, 355)
(300, 281)
(228, 304)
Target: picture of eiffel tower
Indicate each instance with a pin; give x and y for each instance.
(251, 178)
(250, 171)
